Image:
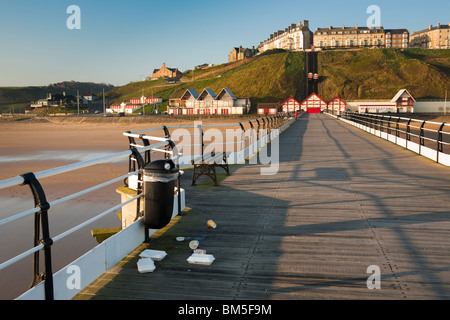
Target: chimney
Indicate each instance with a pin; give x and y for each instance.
(430, 27)
(439, 25)
(164, 64)
(343, 26)
(306, 23)
(356, 26)
(329, 27)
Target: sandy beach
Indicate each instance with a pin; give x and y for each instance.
(40, 144)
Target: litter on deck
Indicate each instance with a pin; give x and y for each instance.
(155, 255)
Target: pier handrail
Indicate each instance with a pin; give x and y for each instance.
(42, 207)
(259, 129)
(403, 129)
(255, 131)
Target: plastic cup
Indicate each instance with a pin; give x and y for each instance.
(212, 224)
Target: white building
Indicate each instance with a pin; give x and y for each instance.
(134, 105)
(208, 103)
(293, 38)
(402, 102)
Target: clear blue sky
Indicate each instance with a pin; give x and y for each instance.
(123, 41)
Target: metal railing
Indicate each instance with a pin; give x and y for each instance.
(427, 138)
(142, 148)
(240, 137)
(42, 239)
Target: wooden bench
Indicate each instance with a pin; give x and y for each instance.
(205, 165)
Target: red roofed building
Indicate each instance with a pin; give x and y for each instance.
(313, 104)
(337, 106)
(290, 105)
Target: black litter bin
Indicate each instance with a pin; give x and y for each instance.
(160, 177)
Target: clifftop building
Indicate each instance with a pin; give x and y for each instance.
(396, 38)
(432, 38)
(239, 53)
(293, 38)
(360, 37)
(165, 72)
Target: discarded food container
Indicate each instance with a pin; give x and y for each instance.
(146, 265)
(212, 224)
(180, 239)
(200, 258)
(200, 251)
(155, 255)
(193, 244)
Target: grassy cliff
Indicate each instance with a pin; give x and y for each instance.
(266, 78)
(273, 77)
(380, 73)
(276, 75)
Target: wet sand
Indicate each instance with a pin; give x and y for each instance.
(42, 144)
(37, 145)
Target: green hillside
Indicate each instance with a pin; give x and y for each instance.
(267, 78)
(273, 77)
(18, 98)
(27, 94)
(276, 75)
(380, 73)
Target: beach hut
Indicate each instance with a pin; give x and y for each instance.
(337, 106)
(290, 105)
(313, 104)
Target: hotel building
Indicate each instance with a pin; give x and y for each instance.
(293, 38)
(360, 37)
(432, 38)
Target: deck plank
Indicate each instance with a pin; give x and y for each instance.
(342, 200)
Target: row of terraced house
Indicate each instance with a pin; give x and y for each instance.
(437, 37)
(298, 37)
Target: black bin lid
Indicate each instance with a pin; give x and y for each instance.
(161, 166)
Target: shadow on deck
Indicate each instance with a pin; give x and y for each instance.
(341, 201)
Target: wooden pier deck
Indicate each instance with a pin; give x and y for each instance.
(342, 200)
